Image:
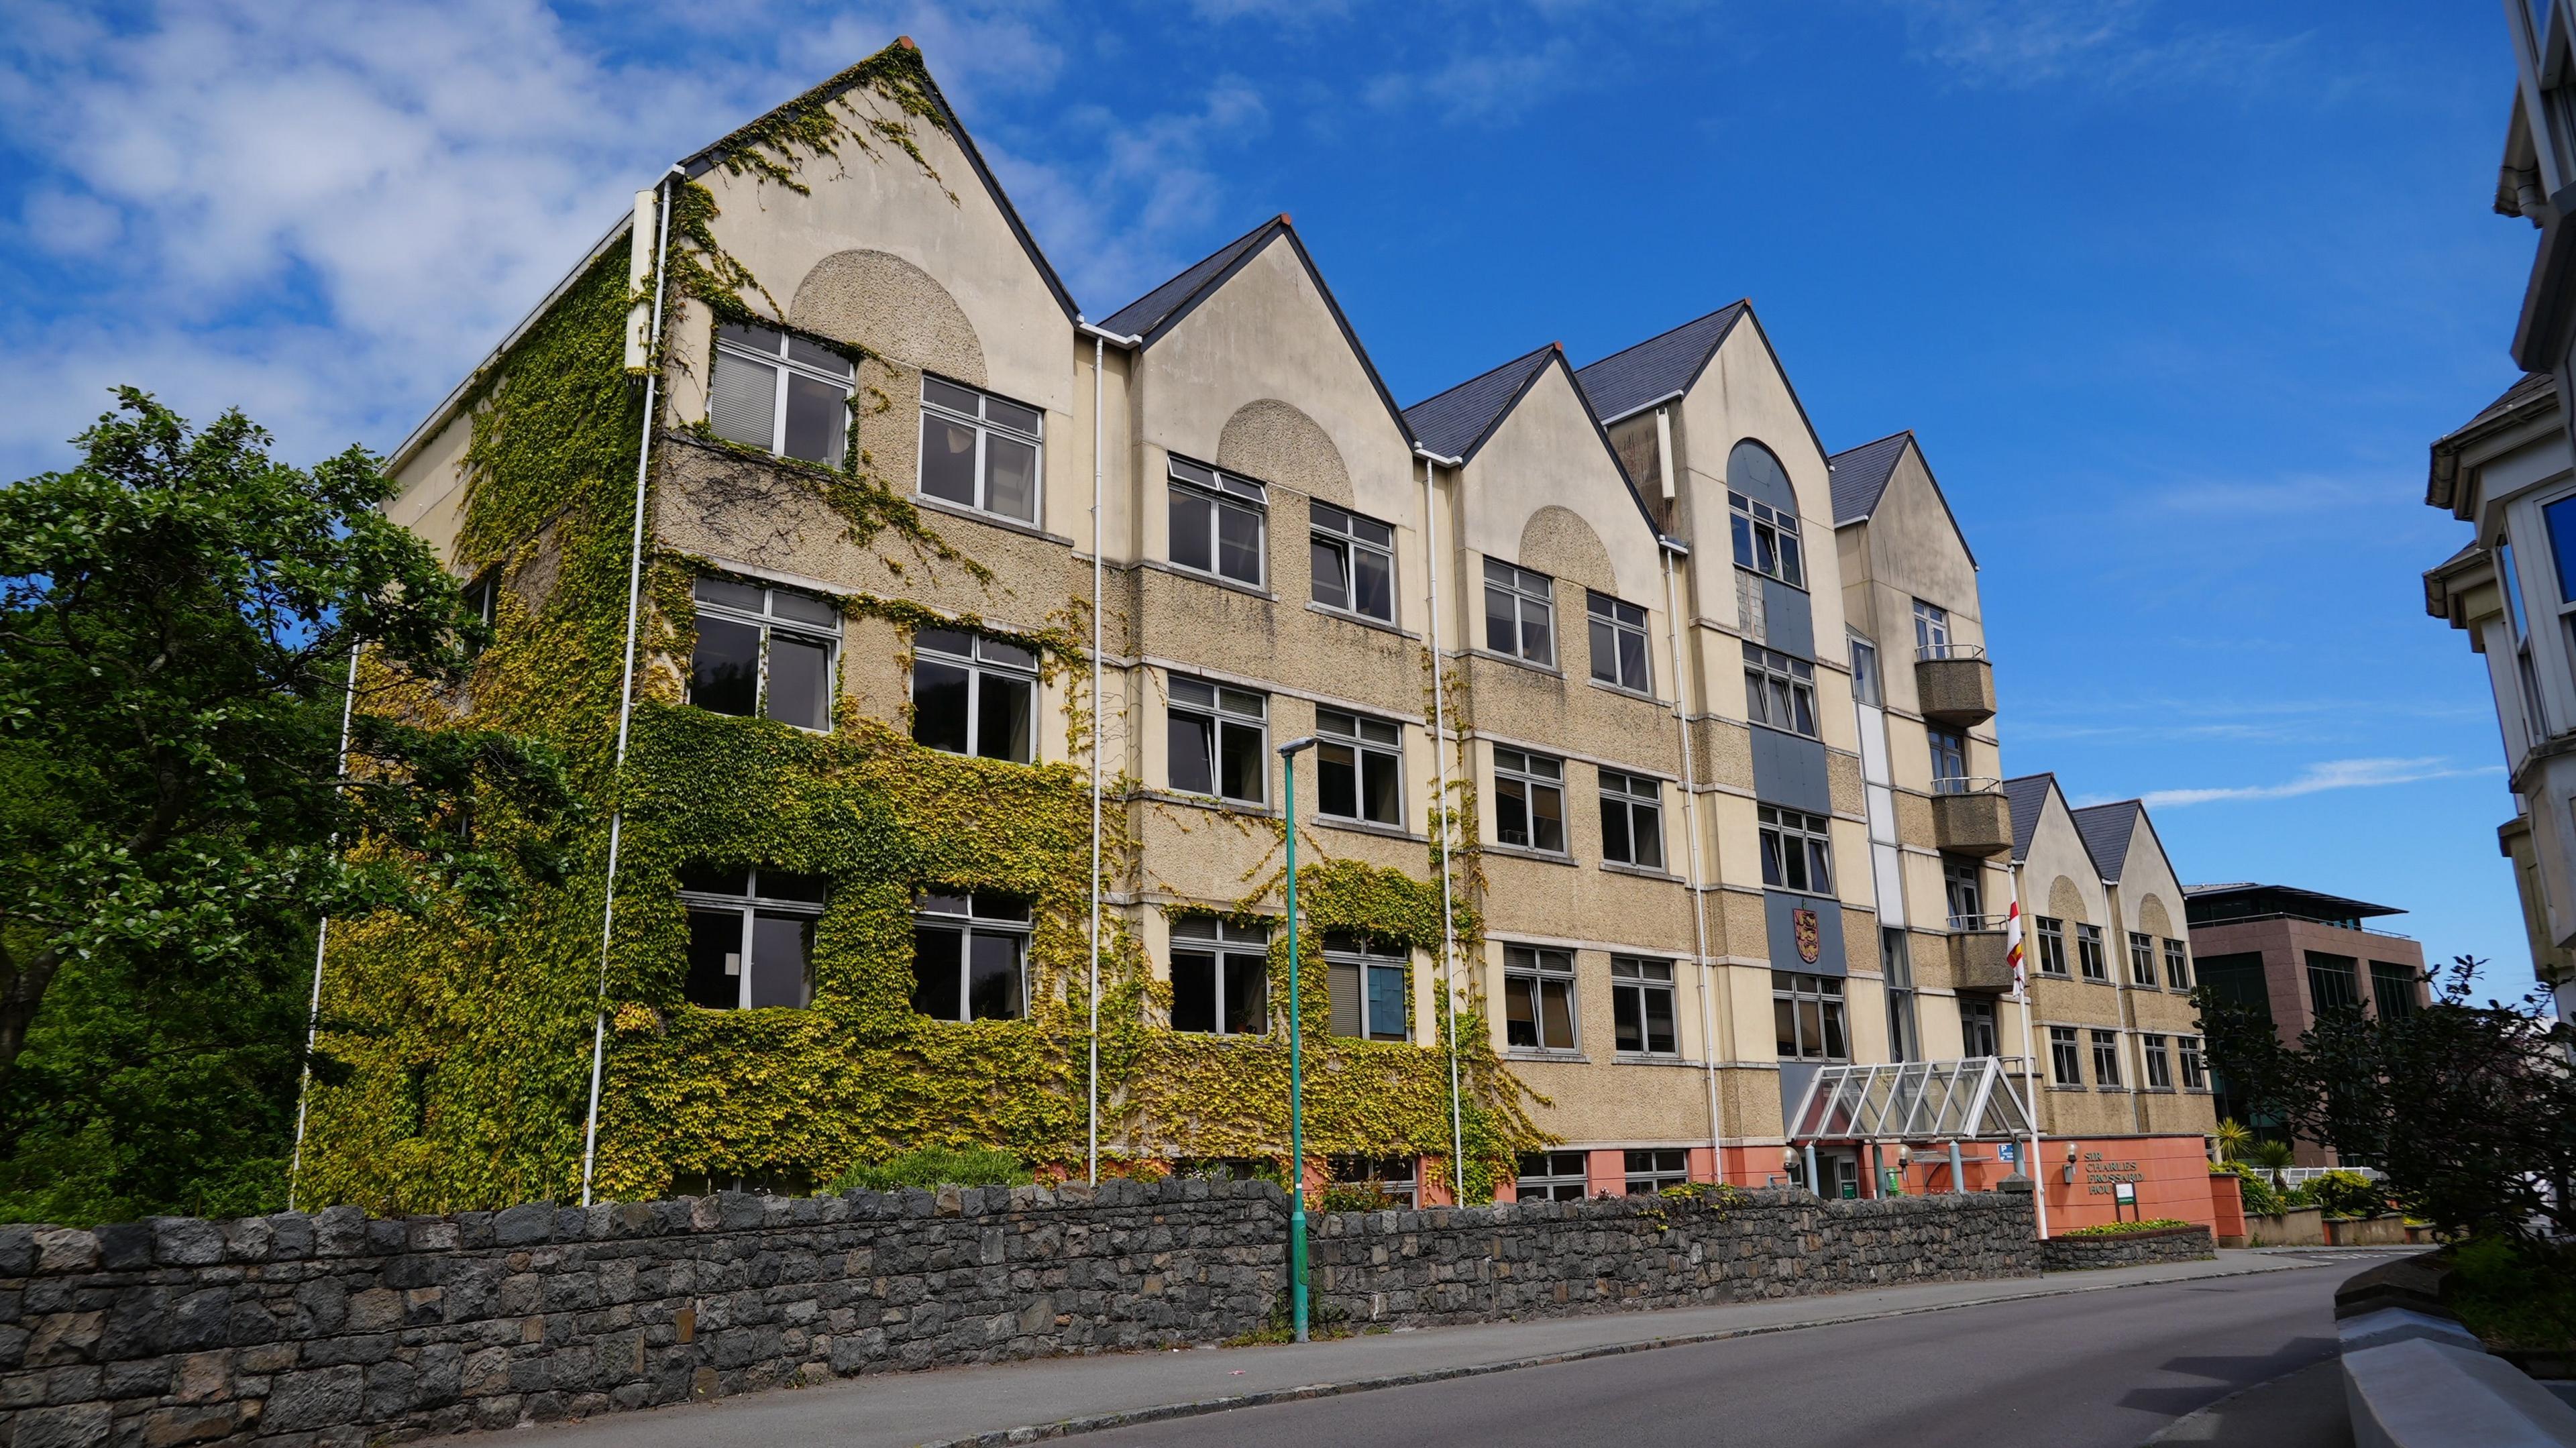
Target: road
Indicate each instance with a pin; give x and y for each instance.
(2103, 1368)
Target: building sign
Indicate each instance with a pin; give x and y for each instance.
(2107, 1178)
(1808, 945)
(2004, 1151)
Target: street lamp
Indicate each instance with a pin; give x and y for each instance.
(1288, 753)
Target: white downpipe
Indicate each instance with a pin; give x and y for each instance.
(321, 942)
(1099, 721)
(1440, 769)
(1699, 900)
(2030, 1063)
(626, 693)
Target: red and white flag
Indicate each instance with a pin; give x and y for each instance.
(2012, 943)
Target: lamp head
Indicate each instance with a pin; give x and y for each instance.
(1297, 746)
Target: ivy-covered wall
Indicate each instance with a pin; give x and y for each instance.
(467, 1049)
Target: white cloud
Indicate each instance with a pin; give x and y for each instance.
(2318, 778)
(2107, 44)
(1482, 88)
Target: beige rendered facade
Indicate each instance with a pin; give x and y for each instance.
(1609, 618)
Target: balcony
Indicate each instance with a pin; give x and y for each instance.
(1971, 817)
(1954, 684)
(1977, 954)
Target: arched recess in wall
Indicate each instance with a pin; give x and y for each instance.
(2152, 917)
(1755, 471)
(879, 301)
(1557, 542)
(1275, 442)
(2065, 901)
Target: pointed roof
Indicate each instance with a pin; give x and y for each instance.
(1455, 423)
(1659, 367)
(2107, 830)
(2526, 399)
(1861, 476)
(2027, 797)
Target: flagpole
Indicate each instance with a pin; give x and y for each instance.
(2030, 1062)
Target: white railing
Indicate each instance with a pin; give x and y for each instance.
(1927, 653)
(1967, 784)
(2297, 1176)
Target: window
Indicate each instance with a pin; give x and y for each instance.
(2392, 985)
(1902, 1042)
(1529, 800)
(2088, 952)
(1220, 523)
(1931, 630)
(2106, 1058)
(1392, 1175)
(970, 957)
(1864, 663)
(2333, 982)
(1214, 737)
(1359, 771)
(974, 695)
(763, 652)
(1632, 820)
(2065, 1066)
(1651, 1171)
(1797, 851)
(1779, 691)
(1766, 540)
(1807, 1011)
(1949, 756)
(1520, 613)
(2177, 966)
(1367, 981)
(1641, 1006)
(1963, 886)
(1618, 643)
(2535, 720)
(2052, 945)
(1977, 1034)
(2142, 960)
(2159, 1065)
(1220, 976)
(2195, 1068)
(1551, 1176)
(483, 598)
(780, 394)
(978, 451)
(751, 937)
(1354, 563)
(1538, 999)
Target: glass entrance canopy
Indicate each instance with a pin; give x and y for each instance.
(1966, 1100)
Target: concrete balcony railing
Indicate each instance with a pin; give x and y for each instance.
(1977, 954)
(1954, 684)
(1971, 816)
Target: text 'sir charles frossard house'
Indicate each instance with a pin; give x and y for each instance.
(1724, 814)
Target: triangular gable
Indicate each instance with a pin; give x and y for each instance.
(1473, 411)
(862, 74)
(1154, 315)
(1861, 477)
(2106, 830)
(1669, 364)
(2027, 799)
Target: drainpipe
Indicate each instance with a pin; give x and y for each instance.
(2030, 1061)
(321, 942)
(1440, 769)
(626, 688)
(1099, 715)
(1690, 824)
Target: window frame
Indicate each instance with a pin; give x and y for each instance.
(1523, 588)
(1780, 684)
(1362, 956)
(1931, 631)
(1225, 944)
(1550, 1181)
(1604, 614)
(2065, 1057)
(770, 623)
(2177, 965)
(1963, 879)
(2404, 978)
(1220, 491)
(977, 668)
(986, 427)
(1654, 1169)
(1219, 716)
(1949, 751)
(1357, 742)
(783, 364)
(2090, 959)
(1534, 775)
(1541, 968)
(2051, 932)
(1775, 828)
(1346, 541)
(748, 907)
(1638, 979)
(2194, 1061)
(1867, 686)
(2348, 971)
(1896, 968)
(2142, 960)
(1986, 1020)
(2106, 1059)
(972, 924)
(1399, 1177)
(1752, 524)
(2158, 1075)
(1638, 802)
(1791, 992)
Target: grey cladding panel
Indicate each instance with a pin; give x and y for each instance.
(1790, 770)
(1779, 918)
(1794, 1076)
(1788, 619)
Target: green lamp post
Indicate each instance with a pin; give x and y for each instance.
(1288, 753)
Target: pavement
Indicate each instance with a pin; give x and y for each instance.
(2042, 1360)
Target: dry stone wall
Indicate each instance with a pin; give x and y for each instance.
(337, 1328)
(2165, 1244)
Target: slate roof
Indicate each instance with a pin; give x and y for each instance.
(2531, 385)
(2026, 797)
(1660, 366)
(1160, 305)
(2107, 829)
(1861, 474)
(1456, 422)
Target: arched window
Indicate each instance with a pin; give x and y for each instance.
(1763, 511)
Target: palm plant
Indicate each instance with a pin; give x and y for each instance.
(2272, 1155)
(2234, 1137)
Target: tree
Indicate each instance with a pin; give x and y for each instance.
(2469, 1110)
(179, 619)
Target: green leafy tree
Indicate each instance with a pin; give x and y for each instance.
(179, 616)
(2469, 1110)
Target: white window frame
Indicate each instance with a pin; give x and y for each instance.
(976, 921)
(1539, 970)
(1533, 775)
(977, 666)
(1755, 524)
(1935, 737)
(1520, 590)
(1346, 535)
(1638, 979)
(793, 357)
(749, 906)
(772, 622)
(1963, 881)
(1931, 630)
(2194, 1062)
(1780, 692)
(1223, 708)
(2106, 1052)
(1779, 828)
(1639, 800)
(2065, 1056)
(2159, 1066)
(1360, 735)
(2052, 945)
(2142, 960)
(1396, 1176)
(1799, 989)
(1896, 963)
(1866, 688)
(1552, 1176)
(2091, 960)
(986, 427)
(1608, 620)
(1653, 1169)
(1222, 493)
(2177, 966)
(1357, 958)
(1225, 944)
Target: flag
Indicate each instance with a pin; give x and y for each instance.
(2012, 944)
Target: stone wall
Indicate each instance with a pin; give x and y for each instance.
(2165, 1244)
(337, 1328)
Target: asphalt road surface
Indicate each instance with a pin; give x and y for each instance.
(2094, 1370)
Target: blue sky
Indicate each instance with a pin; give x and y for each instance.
(2176, 296)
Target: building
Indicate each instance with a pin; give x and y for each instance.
(2295, 955)
(2512, 588)
(1634, 807)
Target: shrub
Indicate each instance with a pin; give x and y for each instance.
(2514, 1294)
(2127, 1229)
(2262, 1199)
(1356, 1197)
(2347, 1194)
(931, 1167)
